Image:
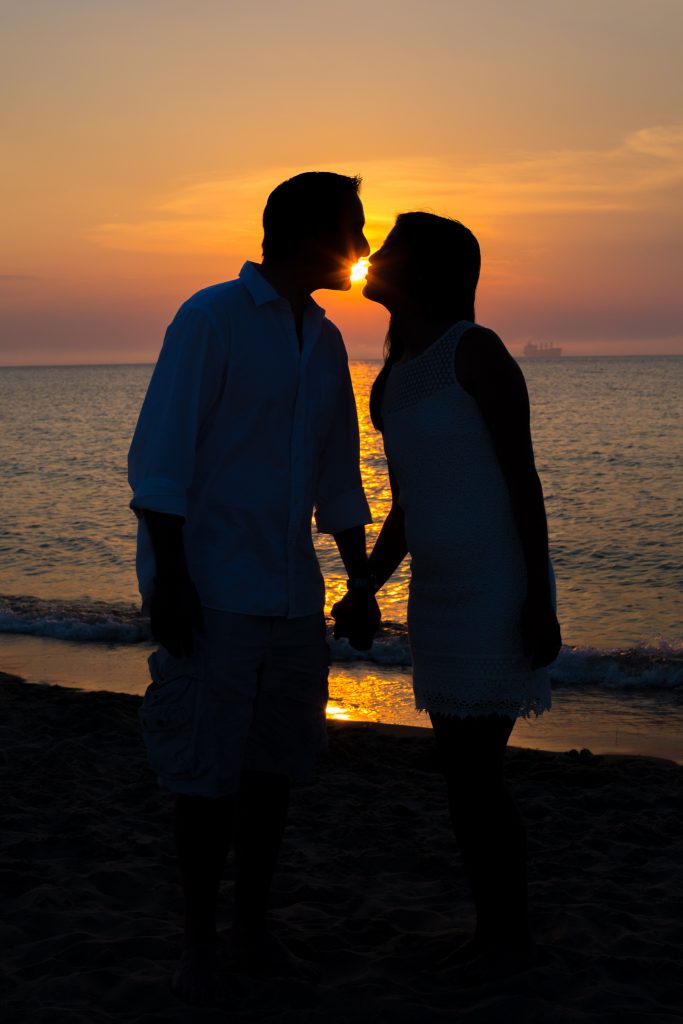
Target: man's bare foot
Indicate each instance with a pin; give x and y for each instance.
(495, 964)
(264, 954)
(464, 953)
(194, 979)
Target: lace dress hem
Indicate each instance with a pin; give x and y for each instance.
(445, 704)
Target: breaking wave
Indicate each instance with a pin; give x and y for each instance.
(653, 665)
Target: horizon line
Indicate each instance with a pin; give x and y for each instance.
(364, 359)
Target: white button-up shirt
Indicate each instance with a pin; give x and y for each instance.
(244, 435)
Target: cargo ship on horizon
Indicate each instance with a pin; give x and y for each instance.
(542, 350)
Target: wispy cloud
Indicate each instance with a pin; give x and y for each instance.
(664, 141)
(224, 215)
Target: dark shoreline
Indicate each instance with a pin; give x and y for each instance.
(369, 884)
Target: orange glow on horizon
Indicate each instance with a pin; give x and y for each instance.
(158, 179)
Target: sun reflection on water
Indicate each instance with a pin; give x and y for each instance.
(359, 694)
(337, 713)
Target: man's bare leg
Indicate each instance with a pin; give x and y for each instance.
(203, 831)
(261, 817)
(260, 820)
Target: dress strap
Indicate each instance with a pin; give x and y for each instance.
(456, 332)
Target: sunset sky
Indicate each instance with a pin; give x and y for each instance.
(142, 137)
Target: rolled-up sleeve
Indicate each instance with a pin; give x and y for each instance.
(340, 499)
(186, 383)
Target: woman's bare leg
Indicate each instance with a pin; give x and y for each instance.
(488, 829)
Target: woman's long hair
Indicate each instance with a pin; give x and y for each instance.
(444, 269)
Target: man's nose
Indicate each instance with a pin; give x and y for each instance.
(364, 249)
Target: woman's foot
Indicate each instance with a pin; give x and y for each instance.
(261, 953)
(494, 956)
(463, 953)
(494, 963)
(194, 979)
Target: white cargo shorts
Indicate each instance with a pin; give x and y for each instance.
(252, 696)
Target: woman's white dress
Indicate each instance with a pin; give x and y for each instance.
(468, 575)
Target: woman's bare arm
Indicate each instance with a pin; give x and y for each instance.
(487, 371)
(391, 546)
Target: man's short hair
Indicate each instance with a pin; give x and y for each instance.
(304, 207)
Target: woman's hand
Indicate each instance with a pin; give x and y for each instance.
(541, 636)
(358, 617)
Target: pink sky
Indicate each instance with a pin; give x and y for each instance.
(143, 138)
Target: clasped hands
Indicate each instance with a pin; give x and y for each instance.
(357, 616)
(175, 614)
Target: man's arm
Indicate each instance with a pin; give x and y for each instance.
(340, 503)
(175, 610)
(342, 508)
(488, 372)
(356, 615)
(352, 551)
(185, 385)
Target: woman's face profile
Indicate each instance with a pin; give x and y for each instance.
(388, 275)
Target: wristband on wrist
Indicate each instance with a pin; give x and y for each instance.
(171, 579)
(363, 584)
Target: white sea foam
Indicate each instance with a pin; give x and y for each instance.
(656, 664)
(650, 666)
(85, 621)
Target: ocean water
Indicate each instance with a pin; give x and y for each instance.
(608, 435)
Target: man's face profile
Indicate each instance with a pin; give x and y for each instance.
(343, 247)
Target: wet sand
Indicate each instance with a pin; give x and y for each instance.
(369, 885)
(644, 720)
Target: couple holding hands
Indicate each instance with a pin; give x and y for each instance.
(248, 429)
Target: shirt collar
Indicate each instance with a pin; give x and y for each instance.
(262, 291)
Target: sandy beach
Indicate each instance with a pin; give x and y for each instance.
(369, 886)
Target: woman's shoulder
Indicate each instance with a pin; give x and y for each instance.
(479, 339)
(482, 353)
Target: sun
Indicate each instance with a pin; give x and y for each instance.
(359, 270)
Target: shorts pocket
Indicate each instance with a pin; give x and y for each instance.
(168, 715)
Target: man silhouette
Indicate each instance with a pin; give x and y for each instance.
(248, 425)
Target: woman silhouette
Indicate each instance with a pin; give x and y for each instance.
(467, 504)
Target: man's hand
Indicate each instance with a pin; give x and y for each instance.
(540, 632)
(175, 612)
(358, 617)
